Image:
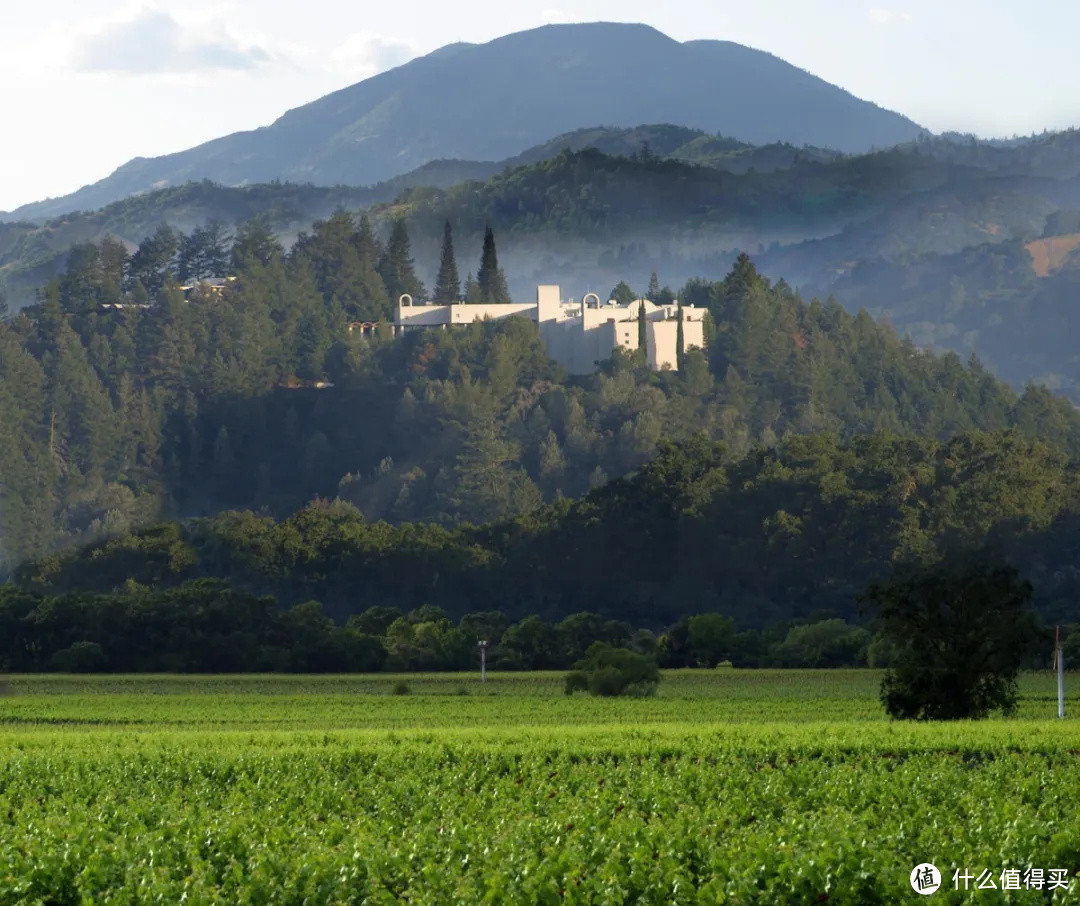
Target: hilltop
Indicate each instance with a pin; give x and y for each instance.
(489, 101)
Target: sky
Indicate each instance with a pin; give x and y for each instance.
(90, 84)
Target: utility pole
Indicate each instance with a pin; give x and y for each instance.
(482, 645)
(1060, 672)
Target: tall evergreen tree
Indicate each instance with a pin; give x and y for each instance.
(396, 266)
(653, 293)
(153, 262)
(491, 281)
(472, 290)
(205, 253)
(642, 332)
(379, 305)
(255, 241)
(447, 284)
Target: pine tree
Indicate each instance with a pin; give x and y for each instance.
(396, 266)
(472, 290)
(491, 281)
(448, 284)
(485, 471)
(255, 241)
(153, 262)
(377, 303)
(653, 293)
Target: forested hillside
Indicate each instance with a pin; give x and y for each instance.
(259, 397)
(940, 236)
(793, 532)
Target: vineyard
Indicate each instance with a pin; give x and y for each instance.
(737, 787)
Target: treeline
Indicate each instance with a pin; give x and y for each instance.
(587, 192)
(258, 396)
(780, 534)
(987, 297)
(204, 626)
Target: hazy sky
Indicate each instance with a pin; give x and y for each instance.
(89, 84)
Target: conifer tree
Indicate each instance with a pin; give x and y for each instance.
(490, 279)
(377, 304)
(653, 293)
(255, 241)
(396, 266)
(472, 290)
(448, 284)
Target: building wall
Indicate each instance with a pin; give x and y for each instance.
(577, 335)
(660, 348)
(466, 313)
(422, 315)
(694, 333)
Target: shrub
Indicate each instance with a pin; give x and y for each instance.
(78, 657)
(400, 688)
(827, 643)
(610, 671)
(576, 681)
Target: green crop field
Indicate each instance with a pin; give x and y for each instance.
(768, 787)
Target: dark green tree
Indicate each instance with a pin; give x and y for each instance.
(961, 630)
(154, 261)
(447, 284)
(710, 637)
(622, 293)
(255, 240)
(609, 671)
(396, 266)
(207, 252)
(490, 280)
(653, 292)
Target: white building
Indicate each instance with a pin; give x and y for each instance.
(577, 335)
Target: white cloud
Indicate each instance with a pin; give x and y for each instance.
(365, 54)
(886, 17)
(149, 40)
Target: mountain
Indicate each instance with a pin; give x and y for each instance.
(488, 101)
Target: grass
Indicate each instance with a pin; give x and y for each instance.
(768, 787)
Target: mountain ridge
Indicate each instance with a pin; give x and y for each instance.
(518, 91)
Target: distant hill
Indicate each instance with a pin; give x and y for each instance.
(32, 253)
(963, 245)
(488, 101)
(584, 200)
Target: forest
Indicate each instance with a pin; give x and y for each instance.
(126, 400)
(160, 431)
(697, 558)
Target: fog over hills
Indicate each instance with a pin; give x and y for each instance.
(489, 101)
